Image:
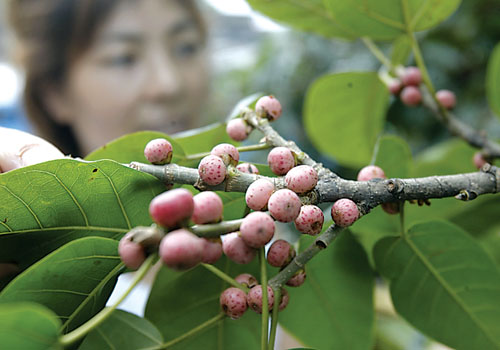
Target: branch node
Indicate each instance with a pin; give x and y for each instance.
(465, 195)
(395, 186)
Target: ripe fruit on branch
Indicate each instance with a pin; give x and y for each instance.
(254, 298)
(301, 179)
(285, 298)
(233, 302)
(371, 172)
(280, 253)
(297, 279)
(238, 129)
(247, 168)
(208, 208)
(172, 208)
(280, 160)
(236, 249)
(227, 152)
(158, 151)
(411, 96)
(131, 253)
(395, 86)
(479, 160)
(247, 280)
(411, 76)
(181, 249)
(257, 229)
(446, 98)
(345, 212)
(212, 170)
(310, 220)
(284, 205)
(258, 194)
(268, 107)
(212, 250)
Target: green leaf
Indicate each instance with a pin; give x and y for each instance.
(75, 281)
(344, 114)
(493, 80)
(307, 15)
(385, 20)
(130, 148)
(180, 301)
(444, 284)
(333, 309)
(234, 204)
(124, 331)
(491, 243)
(28, 326)
(401, 50)
(393, 155)
(47, 205)
(203, 139)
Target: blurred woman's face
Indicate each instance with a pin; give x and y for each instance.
(146, 70)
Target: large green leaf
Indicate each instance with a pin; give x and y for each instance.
(344, 114)
(46, 205)
(124, 331)
(493, 80)
(180, 301)
(307, 15)
(203, 139)
(444, 284)
(74, 281)
(333, 309)
(385, 19)
(28, 326)
(401, 50)
(393, 155)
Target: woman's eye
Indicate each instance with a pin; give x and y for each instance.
(122, 61)
(186, 50)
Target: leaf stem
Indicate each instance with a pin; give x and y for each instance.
(274, 317)
(100, 317)
(225, 277)
(265, 304)
(402, 218)
(377, 53)
(249, 148)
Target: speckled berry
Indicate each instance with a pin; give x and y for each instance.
(254, 298)
(411, 76)
(258, 194)
(390, 207)
(344, 212)
(297, 279)
(236, 249)
(280, 160)
(172, 208)
(411, 96)
(310, 220)
(257, 229)
(285, 298)
(446, 98)
(247, 280)
(301, 179)
(158, 151)
(280, 253)
(212, 170)
(238, 129)
(268, 107)
(181, 249)
(248, 168)
(284, 205)
(395, 86)
(371, 172)
(233, 302)
(478, 160)
(212, 250)
(131, 253)
(227, 152)
(208, 208)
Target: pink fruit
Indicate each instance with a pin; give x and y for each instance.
(301, 179)
(284, 205)
(208, 208)
(238, 129)
(371, 172)
(258, 194)
(247, 280)
(236, 249)
(181, 249)
(390, 207)
(310, 220)
(268, 107)
(212, 250)
(285, 298)
(280, 160)
(227, 152)
(395, 86)
(254, 298)
(345, 212)
(297, 279)
(170, 209)
(212, 170)
(280, 253)
(257, 229)
(411, 76)
(411, 96)
(247, 168)
(158, 151)
(446, 98)
(131, 253)
(479, 160)
(233, 302)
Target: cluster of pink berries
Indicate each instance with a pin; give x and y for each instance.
(234, 301)
(407, 87)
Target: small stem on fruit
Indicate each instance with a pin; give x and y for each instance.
(100, 317)
(265, 304)
(216, 230)
(274, 317)
(225, 277)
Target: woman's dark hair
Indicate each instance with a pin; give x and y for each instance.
(51, 35)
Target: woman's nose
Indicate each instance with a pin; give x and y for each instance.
(163, 79)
